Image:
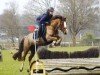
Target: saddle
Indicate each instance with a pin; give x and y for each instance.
(40, 33)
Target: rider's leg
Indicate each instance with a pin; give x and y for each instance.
(40, 31)
(43, 29)
(36, 34)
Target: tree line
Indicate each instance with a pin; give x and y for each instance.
(80, 14)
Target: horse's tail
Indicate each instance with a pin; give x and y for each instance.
(19, 53)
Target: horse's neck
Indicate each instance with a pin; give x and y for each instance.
(50, 27)
(55, 23)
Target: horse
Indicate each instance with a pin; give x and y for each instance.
(52, 34)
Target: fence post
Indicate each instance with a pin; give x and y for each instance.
(1, 56)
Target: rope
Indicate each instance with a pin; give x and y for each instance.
(73, 68)
(35, 31)
(35, 46)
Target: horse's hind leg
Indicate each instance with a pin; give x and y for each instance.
(32, 53)
(23, 59)
(31, 56)
(26, 50)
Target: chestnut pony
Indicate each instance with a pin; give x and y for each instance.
(27, 43)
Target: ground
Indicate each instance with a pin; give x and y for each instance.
(11, 67)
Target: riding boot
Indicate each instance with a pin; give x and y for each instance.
(39, 32)
(35, 34)
(43, 30)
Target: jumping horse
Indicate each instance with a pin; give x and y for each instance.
(52, 34)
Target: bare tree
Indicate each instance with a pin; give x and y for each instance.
(10, 22)
(35, 8)
(80, 14)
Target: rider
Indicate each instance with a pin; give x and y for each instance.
(44, 19)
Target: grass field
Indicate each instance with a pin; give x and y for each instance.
(11, 67)
(70, 49)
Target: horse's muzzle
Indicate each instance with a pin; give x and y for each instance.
(65, 32)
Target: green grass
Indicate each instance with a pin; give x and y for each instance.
(70, 49)
(11, 67)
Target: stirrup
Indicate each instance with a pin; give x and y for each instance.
(37, 39)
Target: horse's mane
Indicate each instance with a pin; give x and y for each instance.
(58, 17)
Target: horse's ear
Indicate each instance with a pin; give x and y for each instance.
(64, 19)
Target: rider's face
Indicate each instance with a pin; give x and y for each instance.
(51, 13)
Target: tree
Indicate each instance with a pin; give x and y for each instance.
(10, 22)
(35, 8)
(80, 14)
(88, 39)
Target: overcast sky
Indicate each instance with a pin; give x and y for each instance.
(21, 4)
(4, 3)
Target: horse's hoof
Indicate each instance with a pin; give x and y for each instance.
(21, 70)
(14, 57)
(19, 60)
(58, 44)
(28, 70)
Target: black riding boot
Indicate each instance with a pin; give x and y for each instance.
(35, 35)
(40, 32)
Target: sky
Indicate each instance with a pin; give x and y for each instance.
(4, 4)
(21, 4)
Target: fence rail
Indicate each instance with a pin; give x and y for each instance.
(73, 66)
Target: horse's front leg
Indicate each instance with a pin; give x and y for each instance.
(51, 38)
(59, 40)
(57, 43)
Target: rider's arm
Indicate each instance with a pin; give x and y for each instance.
(43, 18)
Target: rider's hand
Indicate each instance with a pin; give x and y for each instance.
(46, 23)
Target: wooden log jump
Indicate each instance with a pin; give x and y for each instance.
(85, 66)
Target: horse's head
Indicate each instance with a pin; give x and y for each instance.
(61, 23)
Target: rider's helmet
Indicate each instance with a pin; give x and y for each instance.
(50, 10)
